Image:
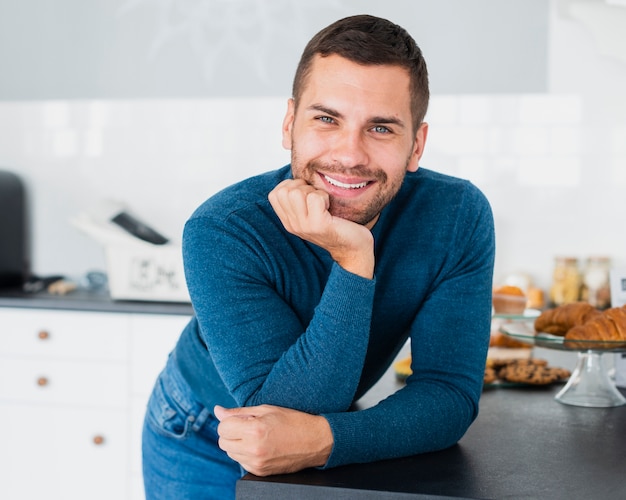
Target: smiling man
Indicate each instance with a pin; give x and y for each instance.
(307, 281)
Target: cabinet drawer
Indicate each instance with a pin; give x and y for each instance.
(63, 334)
(57, 453)
(65, 382)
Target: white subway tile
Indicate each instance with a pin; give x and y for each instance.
(474, 110)
(618, 170)
(92, 143)
(556, 171)
(99, 114)
(64, 143)
(565, 140)
(443, 110)
(473, 168)
(117, 114)
(618, 141)
(458, 140)
(527, 140)
(117, 141)
(505, 110)
(496, 140)
(11, 116)
(505, 164)
(550, 109)
(55, 114)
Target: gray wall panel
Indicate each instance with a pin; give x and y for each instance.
(90, 49)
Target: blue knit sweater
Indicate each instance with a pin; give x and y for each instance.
(278, 322)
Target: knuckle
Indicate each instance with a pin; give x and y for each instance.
(258, 468)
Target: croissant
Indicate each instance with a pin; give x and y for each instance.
(561, 319)
(608, 326)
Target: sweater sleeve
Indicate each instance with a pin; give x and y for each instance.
(449, 341)
(263, 350)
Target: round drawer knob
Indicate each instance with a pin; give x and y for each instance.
(43, 335)
(98, 440)
(42, 381)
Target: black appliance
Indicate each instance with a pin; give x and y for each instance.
(14, 251)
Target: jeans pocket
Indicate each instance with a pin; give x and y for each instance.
(173, 413)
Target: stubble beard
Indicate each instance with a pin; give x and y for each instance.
(349, 209)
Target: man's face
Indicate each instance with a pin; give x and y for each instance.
(352, 136)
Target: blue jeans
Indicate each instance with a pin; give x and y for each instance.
(181, 458)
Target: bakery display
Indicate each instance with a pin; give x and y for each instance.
(580, 321)
(593, 333)
(505, 371)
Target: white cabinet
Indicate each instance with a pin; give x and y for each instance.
(58, 452)
(153, 337)
(73, 390)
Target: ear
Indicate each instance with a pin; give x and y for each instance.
(288, 123)
(418, 147)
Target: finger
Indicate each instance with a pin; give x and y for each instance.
(318, 203)
(231, 428)
(220, 412)
(224, 414)
(284, 187)
(291, 206)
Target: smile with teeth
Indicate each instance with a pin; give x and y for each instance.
(343, 185)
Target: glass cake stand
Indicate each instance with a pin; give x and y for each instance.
(590, 384)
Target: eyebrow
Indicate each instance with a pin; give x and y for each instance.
(374, 120)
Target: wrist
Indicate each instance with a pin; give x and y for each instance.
(361, 265)
(357, 259)
(324, 442)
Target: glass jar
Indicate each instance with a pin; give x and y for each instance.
(566, 281)
(596, 282)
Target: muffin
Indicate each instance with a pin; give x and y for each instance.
(509, 300)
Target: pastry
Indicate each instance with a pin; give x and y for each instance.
(509, 300)
(609, 325)
(559, 320)
(498, 339)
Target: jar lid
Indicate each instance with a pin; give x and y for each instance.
(566, 260)
(599, 258)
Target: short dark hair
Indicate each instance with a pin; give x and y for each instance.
(370, 40)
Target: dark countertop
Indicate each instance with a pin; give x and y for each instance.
(84, 300)
(523, 445)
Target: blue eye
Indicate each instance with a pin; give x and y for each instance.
(381, 129)
(326, 119)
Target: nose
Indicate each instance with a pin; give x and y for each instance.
(349, 148)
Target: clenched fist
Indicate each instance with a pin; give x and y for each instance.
(304, 212)
(273, 440)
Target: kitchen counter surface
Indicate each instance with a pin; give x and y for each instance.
(84, 300)
(523, 445)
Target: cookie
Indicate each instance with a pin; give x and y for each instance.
(528, 374)
(562, 373)
(490, 376)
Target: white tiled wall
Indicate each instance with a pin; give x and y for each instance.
(555, 181)
(556, 184)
